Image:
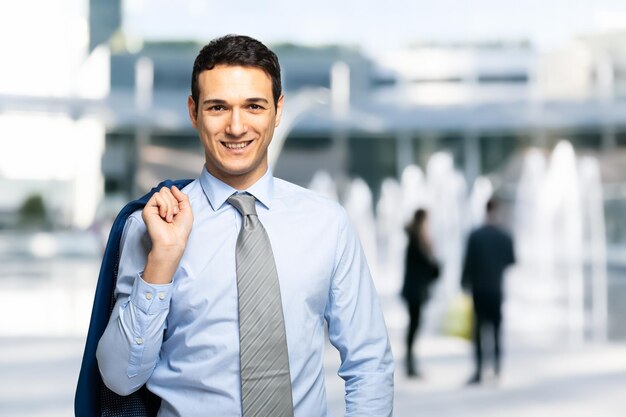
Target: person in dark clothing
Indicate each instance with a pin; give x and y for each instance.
(419, 273)
(489, 252)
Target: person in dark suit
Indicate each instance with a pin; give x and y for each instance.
(421, 270)
(489, 252)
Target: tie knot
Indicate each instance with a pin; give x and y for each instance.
(244, 203)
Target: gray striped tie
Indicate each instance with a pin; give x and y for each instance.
(265, 378)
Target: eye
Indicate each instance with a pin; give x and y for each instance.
(217, 108)
(254, 106)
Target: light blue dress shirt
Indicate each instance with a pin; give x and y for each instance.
(182, 339)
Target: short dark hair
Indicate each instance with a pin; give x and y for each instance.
(236, 50)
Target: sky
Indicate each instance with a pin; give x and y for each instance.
(55, 32)
(375, 25)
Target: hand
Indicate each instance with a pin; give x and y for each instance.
(169, 219)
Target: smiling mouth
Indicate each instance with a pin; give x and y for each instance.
(236, 145)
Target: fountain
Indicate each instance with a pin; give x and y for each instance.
(547, 288)
(595, 243)
(391, 237)
(558, 227)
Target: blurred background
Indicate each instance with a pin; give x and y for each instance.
(389, 107)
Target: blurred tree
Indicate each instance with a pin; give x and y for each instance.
(33, 214)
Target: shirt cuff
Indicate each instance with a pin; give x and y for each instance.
(150, 298)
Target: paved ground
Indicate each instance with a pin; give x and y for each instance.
(37, 378)
(586, 381)
(38, 375)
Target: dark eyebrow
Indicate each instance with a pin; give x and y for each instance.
(214, 101)
(257, 100)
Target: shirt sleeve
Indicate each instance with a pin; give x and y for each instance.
(129, 348)
(356, 327)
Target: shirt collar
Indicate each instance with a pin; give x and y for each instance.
(217, 192)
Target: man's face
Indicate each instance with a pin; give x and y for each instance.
(235, 120)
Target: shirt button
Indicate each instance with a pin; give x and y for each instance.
(139, 340)
(161, 296)
(149, 295)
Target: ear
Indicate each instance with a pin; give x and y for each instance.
(193, 113)
(279, 109)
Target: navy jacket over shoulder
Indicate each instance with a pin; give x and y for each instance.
(93, 398)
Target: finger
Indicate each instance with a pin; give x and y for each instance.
(170, 202)
(152, 202)
(176, 193)
(173, 190)
(152, 206)
(160, 204)
(179, 195)
(173, 207)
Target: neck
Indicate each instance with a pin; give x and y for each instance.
(239, 182)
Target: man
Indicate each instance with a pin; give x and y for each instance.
(489, 252)
(180, 323)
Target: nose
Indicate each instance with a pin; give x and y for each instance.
(236, 125)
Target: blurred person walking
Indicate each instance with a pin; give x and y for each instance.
(489, 252)
(421, 270)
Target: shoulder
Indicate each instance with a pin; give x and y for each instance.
(477, 235)
(475, 232)
(194, 192)
(301, 207)
(294, 197)
(499, 231)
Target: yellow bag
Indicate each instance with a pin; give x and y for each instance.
(459, 319)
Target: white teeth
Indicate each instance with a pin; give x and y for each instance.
(239, 145)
